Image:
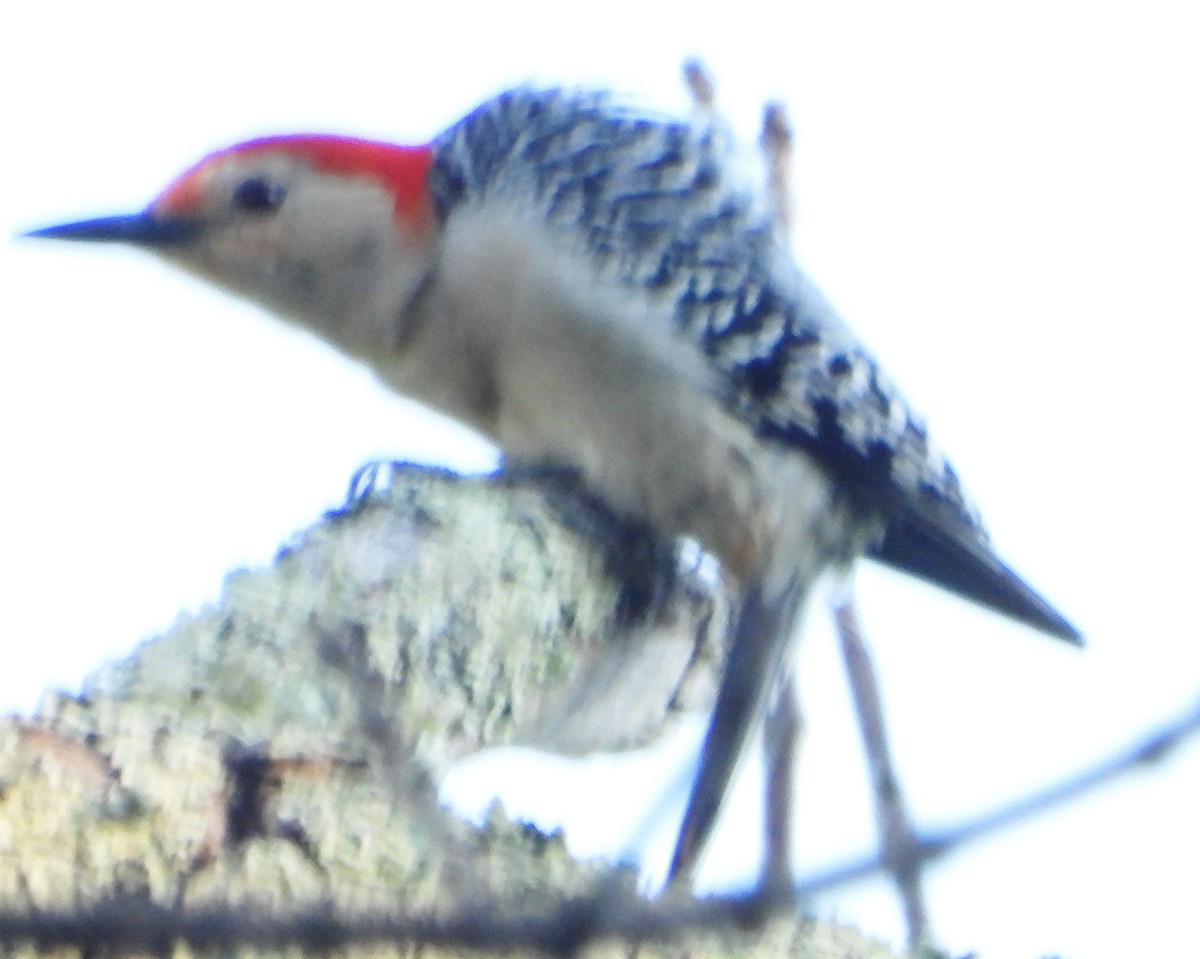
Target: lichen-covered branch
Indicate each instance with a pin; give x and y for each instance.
(275, 755)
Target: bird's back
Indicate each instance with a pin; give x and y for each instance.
(659, 207)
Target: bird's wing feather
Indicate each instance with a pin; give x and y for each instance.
(653, 204)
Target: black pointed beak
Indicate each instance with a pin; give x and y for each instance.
(139, 229)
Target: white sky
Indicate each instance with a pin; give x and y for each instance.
(1001, 198)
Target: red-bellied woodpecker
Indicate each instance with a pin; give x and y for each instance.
(590, 288)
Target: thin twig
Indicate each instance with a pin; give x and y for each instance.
(778, 143)
(897, 838)
(781, 738)
(699, 83)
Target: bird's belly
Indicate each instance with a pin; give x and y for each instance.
(533, 346)
(654, 441)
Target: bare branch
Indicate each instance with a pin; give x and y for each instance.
(778, 144)
(700, 85)
(782, 736)
(897, 838)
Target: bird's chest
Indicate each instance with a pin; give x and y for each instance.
(558, 365)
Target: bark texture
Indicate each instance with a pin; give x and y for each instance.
(279, 751)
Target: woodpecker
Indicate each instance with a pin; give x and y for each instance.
(595, 288)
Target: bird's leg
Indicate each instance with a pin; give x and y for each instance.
(645, 564)
(377, 476)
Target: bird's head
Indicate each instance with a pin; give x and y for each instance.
(312, 227)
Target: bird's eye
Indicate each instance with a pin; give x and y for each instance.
(258, 194)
